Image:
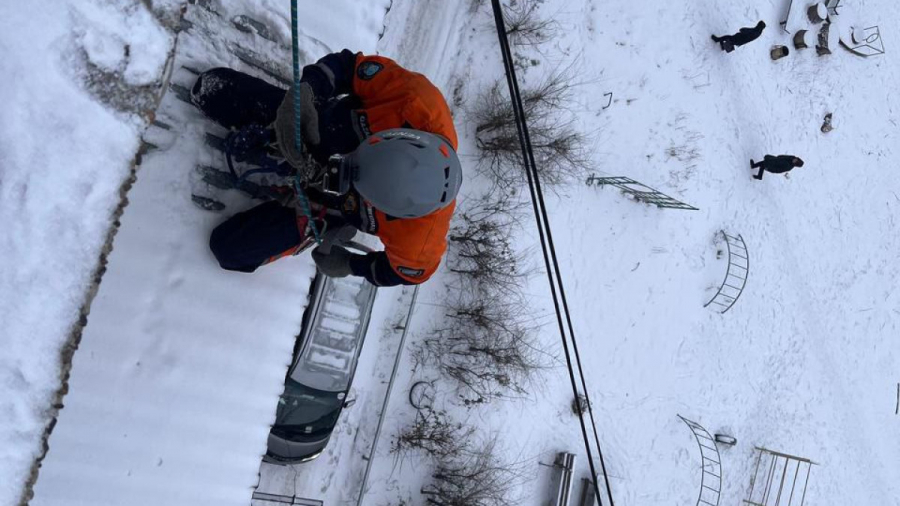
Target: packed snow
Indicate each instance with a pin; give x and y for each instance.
(63, 157)
(804, 363)
(181, 362)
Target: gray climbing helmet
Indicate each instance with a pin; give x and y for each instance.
(404, 173)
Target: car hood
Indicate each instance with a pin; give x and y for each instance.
(283, 451)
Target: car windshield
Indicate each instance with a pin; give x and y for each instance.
(333, 338)
(304, 411)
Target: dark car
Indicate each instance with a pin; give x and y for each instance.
(317, 383)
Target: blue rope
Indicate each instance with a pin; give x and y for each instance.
(298, 141)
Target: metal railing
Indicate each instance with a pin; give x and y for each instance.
(735, 277)
(387, 396)
(640, 192)
(264, 499)
(776, 490)
(711, 477)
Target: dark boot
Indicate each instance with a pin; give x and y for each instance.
(726, 43)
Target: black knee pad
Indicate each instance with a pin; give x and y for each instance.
(250, 238)
(225, 245)
(234, 99)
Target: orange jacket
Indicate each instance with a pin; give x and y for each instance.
(393, 97)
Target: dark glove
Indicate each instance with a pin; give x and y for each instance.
(335, 264)
(309, 124)
(336, 236)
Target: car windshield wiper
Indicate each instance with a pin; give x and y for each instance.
(297, 412)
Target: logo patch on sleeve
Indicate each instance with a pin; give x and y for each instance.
(370, 224)
(412, 273)
(368, 70)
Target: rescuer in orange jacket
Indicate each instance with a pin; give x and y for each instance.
(398, 179)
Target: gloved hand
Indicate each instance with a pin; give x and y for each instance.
(335, 236)
(335, 264)
(309, 125)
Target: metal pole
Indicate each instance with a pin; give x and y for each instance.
(587, 493)
(794, 485)
(755, 473)
(781, 488)
(803, 498)
(770, 474)
(387, 396)
(565, 461)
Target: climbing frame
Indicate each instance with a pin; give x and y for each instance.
(779, 479)
(711, 476)
(735, 277)
(640, 192)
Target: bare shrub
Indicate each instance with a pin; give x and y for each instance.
(481, 244)
(559, 149)
(476, 477)
(494, 109)
(434, 434)
(687, 148)
(524, 25)
(487, 346)
(685, 153)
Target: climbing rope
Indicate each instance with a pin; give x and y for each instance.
(302, 200)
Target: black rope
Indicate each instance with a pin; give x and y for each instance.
(549, 252)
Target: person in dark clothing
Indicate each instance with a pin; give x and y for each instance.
(776, 164)
(743, 36)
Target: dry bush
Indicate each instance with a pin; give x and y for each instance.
(433, 433)
(686, 143)
(559, 149)
(481, 244)
(525, 27)
(475, 477)
(487, 346)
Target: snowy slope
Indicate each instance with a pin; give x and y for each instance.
(176, 381)
(63, 157)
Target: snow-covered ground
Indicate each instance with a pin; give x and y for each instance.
(63, 157)
(804, 363)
